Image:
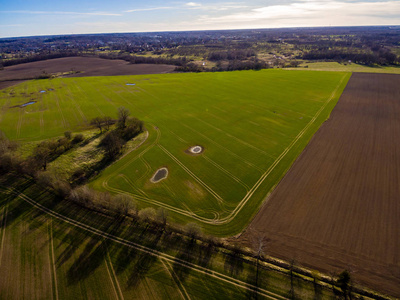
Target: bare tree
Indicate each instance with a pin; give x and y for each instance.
(41, 155)
(123, 114)
(98, 122)
(107, 122)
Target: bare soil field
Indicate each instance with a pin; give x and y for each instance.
(87, 66)
(338, 207)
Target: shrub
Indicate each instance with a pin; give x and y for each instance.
(78, 138)
(68, 134)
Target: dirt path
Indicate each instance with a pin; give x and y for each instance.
(338, 206)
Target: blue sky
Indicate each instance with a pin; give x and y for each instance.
(46, 17)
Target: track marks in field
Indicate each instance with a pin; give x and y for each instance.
(224, 148)
(236, 139)
(52, 265)
(64, 122)
(113, 277)
(130, 183)
(19, 124)
(84, 96)
(226, 172)
(41, 123)
(202, 183)
(3, 230)
(176, 279)
(166, 257)
(280, 157)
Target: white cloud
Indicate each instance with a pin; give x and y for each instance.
(148, 9)
(35, 12)
(193, 4)
(312, 13)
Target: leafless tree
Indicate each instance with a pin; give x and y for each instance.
(98, 122)
(123, 114)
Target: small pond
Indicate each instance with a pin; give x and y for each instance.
(28, 103)
(130, 84)
(159, 175)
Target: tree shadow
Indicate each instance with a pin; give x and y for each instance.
(90, 259)
(140, 269)
(233, 263)
(186, 253)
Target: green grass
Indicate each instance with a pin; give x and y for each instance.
(335, 66)
(251, 124)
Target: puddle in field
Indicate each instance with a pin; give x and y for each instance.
(23, 105)
(42, 91)
(28, 103)
(161, 174)
(131, 84)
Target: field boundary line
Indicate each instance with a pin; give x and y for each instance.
(175, 278)
(3, 226)
(147, 250)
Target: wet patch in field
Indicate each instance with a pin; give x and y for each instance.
(160, 174)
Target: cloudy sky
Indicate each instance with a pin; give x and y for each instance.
(48, 17)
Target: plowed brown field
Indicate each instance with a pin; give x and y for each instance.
(338, 207)
(88, 66)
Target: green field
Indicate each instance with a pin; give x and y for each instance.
(251, 124)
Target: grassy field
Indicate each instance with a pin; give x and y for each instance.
(252, 125)
(51, 249)
(337, 67)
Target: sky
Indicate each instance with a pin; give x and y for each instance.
(56, 17)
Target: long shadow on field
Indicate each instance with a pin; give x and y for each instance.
(187, 253)
(144, 263)
(92, 256)
(90, 259)
(233, 263)
(140, 269)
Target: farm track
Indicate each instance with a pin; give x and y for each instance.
(338, 206)
(166, 257)
(237, 139)
(224, 148)
(111, 273)
(52, 265)
(176, 279)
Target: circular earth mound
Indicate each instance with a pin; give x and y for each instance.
(160, 174)
(196, 149)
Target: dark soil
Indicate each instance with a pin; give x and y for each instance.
(338, 207)
(86, 66)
